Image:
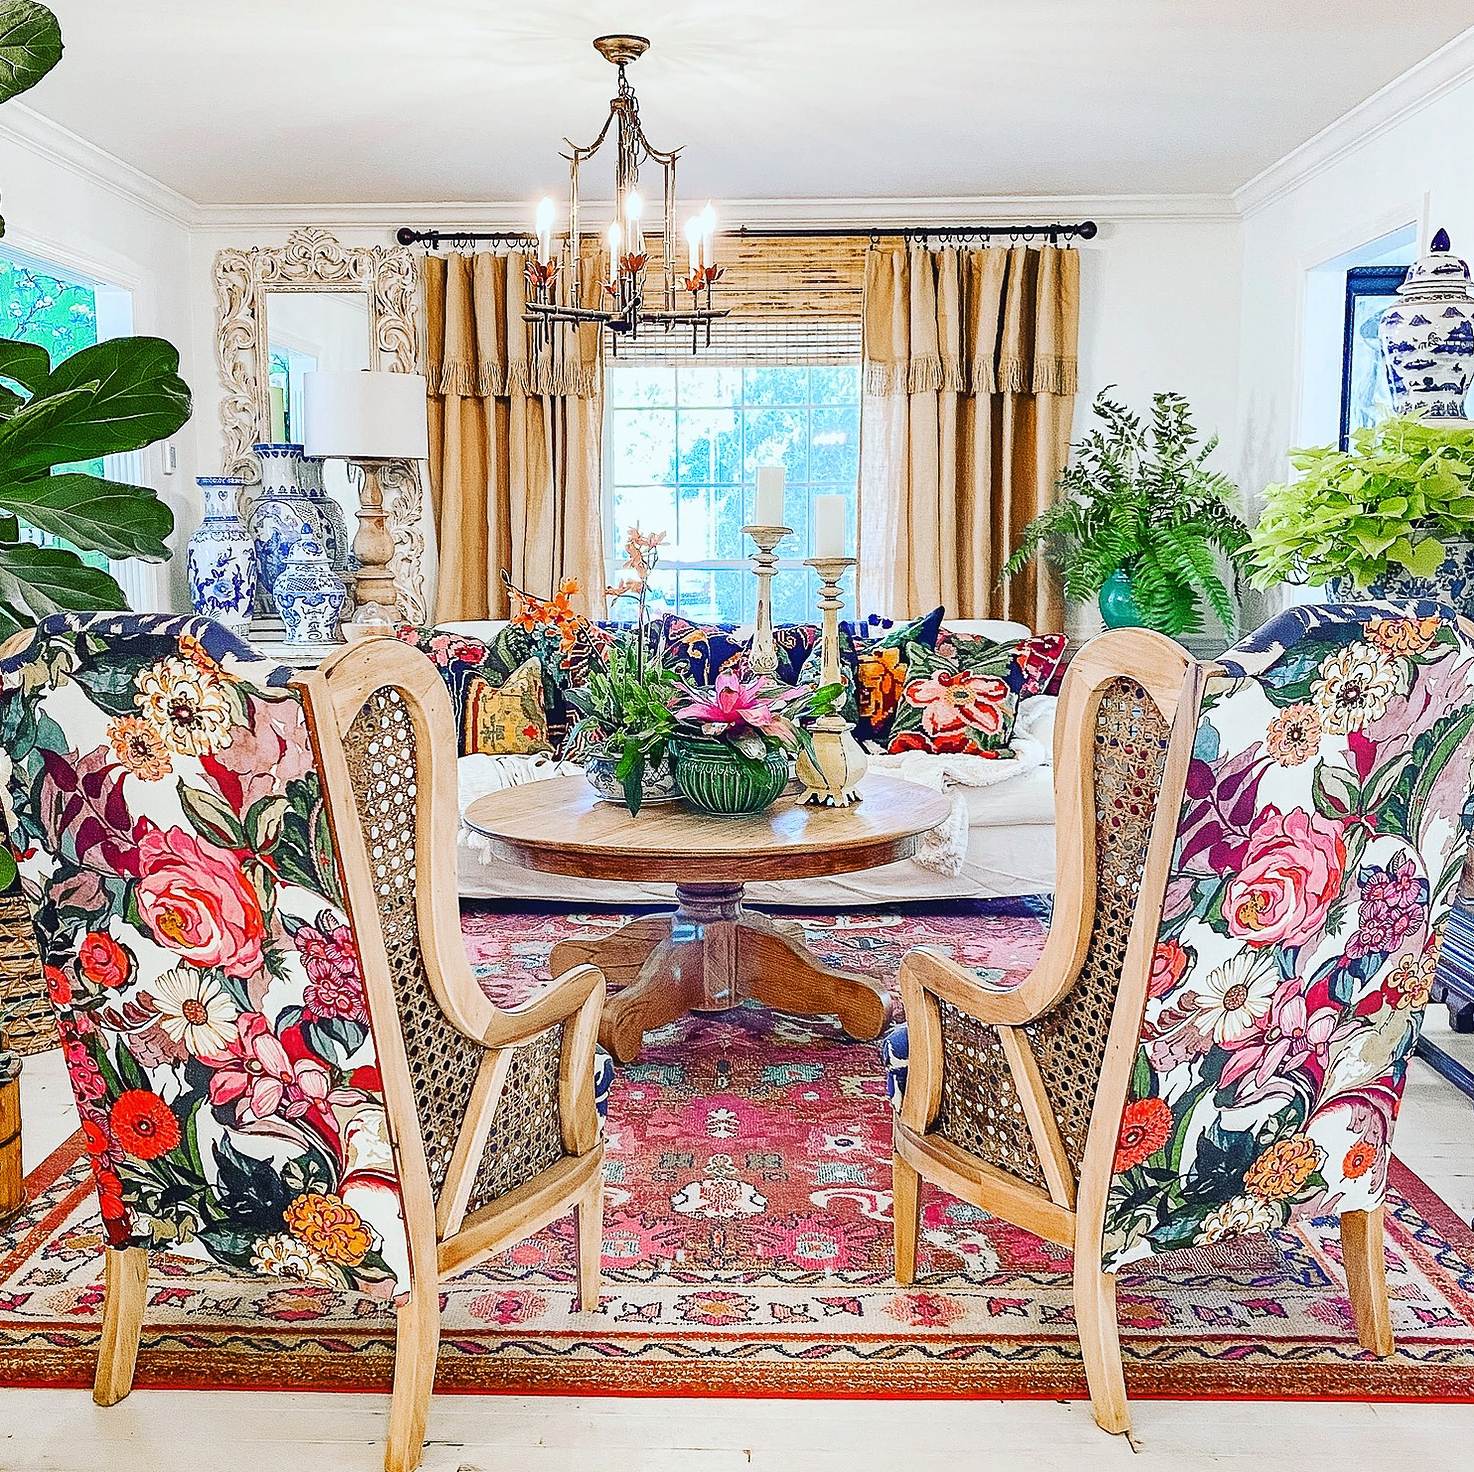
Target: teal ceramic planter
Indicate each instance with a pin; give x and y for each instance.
(1118, 604)
(714, 778)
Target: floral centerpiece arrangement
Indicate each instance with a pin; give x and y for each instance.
(734, 741)
(625, 707)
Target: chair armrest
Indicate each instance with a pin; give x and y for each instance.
(1003, 1006)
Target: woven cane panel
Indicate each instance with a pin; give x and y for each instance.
(527, 1129)
(980, 1110)
(443, 1062)
(1069, 1042)
(27, 1019)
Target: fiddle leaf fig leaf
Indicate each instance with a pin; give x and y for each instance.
(96, 515)
(25, 363)
(30, 45)
(47, 580)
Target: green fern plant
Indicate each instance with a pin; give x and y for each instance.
(1138, 496)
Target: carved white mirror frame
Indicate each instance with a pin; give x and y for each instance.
(314, 260)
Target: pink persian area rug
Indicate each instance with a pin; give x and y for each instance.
(747, 1249)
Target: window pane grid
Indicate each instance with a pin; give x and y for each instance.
(683, 445)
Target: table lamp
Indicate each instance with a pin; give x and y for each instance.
(368, 419)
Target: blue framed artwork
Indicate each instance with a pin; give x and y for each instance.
(1364, 395)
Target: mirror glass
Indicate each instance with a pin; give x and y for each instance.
(305, 331)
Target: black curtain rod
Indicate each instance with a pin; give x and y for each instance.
(1083, 230)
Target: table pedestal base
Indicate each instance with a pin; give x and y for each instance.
(706, 957)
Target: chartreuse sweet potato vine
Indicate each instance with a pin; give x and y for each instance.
(1389, 501)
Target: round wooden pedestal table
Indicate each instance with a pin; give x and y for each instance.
(711, 951)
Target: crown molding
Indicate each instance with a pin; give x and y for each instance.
(37, 134)
(859, 214)
(1448, 68)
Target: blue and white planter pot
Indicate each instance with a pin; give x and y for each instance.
(221, 557)
(1452, 584)
(309, 595)
(1427, 336)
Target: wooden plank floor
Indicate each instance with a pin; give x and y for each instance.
(181, 1431)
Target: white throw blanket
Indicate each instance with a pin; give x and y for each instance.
(943, 849)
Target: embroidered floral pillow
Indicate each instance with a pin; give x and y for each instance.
(872, 669)
(700, 652)
(957, 700)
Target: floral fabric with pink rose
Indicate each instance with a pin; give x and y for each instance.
(1317, 856)
(174, 846)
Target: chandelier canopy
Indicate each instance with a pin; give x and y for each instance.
(625, 308)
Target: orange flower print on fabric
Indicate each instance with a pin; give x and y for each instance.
(1169, 961)
(1282, 1171)
(139, 745)
(143, 1124)
(103, 961)
(330, 1227)
(1403, 635)
(1411, 982)
(880, 675)
(1145, 1127)
(1293, 736)
(1359, 1160)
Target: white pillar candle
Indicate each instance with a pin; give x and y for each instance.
(829, 539)
(769, 508)
(693, 241)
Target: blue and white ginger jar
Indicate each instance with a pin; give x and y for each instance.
(1427, 336)
(221, 557)
(309, 595)
(291, 504)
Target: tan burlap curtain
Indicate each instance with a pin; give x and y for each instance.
(970, 378)
(515, 456)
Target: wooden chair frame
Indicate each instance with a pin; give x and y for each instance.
(443, 1236)
(1069, 1210)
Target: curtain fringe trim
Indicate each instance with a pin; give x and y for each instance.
(458, 380)
(1044, 375)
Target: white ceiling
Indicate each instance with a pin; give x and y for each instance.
(341, 101)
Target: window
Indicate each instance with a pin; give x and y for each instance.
(63, 313)
(1365, 396)
(682, 447)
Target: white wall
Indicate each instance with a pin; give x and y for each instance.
(129, 236)
(1405, 158)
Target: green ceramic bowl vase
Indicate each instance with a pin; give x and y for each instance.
(714, 778)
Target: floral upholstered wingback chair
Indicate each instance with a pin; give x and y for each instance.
(1257, 859)
(243, 888)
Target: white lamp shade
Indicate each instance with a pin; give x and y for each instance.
(366, 416)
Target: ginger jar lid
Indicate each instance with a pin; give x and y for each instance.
(1439, 273)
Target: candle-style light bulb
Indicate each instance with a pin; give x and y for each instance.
(693, 242)
(545, 231)
(615, 236)
(708, 229)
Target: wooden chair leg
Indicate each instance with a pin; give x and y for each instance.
(1366, 1276)
(1100, 1342)
(416, 1347)
(906, 1214)
(125, 1272)
(588, 1219)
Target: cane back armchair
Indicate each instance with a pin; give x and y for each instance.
(243, 887)
(1256, 861)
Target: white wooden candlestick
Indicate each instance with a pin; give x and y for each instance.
(763, 660)
(832, 778)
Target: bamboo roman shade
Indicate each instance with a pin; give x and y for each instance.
(795, 301)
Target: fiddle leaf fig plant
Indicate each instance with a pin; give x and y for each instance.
(108, 399)
(1389, 499)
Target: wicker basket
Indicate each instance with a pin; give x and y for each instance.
(27, 1021)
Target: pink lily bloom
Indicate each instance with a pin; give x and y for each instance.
(734, 702)
(257, 1071)
(1291, 1037)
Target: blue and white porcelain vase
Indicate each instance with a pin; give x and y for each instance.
(309, 595)
(333, 525)
(283, 512)
(1427, 336)
(221, 557)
